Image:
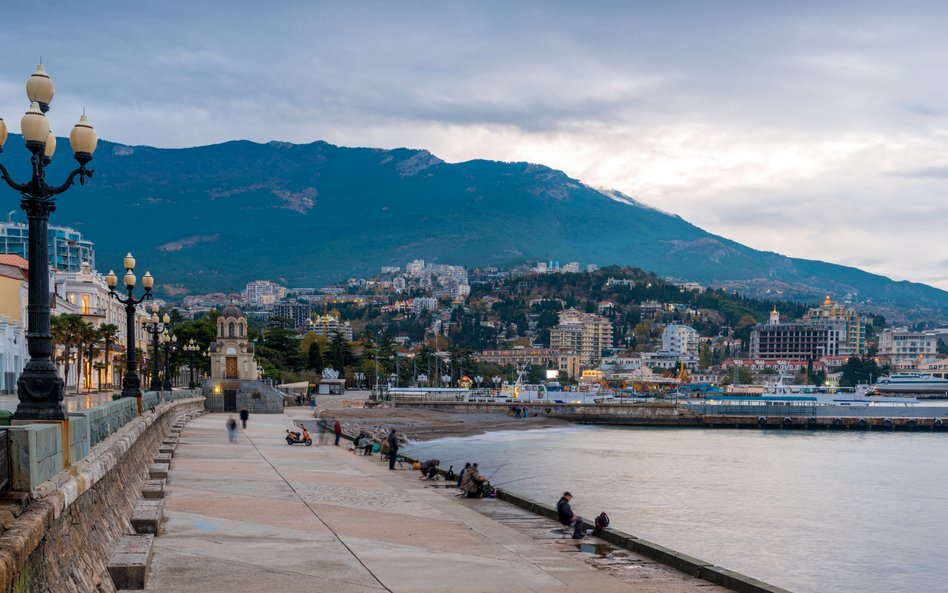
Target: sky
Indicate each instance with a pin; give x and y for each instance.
(813, 129)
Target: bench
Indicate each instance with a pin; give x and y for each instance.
(146, 516)
(154, 489)
(158, 470)
(163, 458)
(130, 560)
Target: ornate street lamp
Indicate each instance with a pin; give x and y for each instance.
(170, 341)
(191, 348)
(131, 382)
(156, 326)
(39, 388)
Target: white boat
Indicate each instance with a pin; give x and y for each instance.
(862, 395)
(918, 383)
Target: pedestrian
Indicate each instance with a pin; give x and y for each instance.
(231, 429)
(337, 430)
(392, 449)
(244, 414)
(312, 404)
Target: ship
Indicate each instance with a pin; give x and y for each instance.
(912, 383)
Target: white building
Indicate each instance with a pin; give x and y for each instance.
(415, 269)
(900, 344)
(680, 339)
(422, 304)
(263, 292)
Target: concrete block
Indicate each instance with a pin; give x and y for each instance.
(146, 516)
(154, 489)
(80, 439)
(130, 561)
(163, 458)
(683, 562)
(35, 455)
(158, 470)
(169, 449)
(736, 581)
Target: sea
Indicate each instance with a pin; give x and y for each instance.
(810, 511)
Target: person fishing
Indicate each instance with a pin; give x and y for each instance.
(429, 469)
(567, 518)
(392, 449)
(472, 484)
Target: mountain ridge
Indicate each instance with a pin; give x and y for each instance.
(216, 216)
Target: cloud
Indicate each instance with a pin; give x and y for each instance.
(816, 130)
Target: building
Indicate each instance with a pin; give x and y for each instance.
(855, 331)
(263, 292)
(797, 340)
(422, 304)
(681, 340)
(584, 334)
(14, 288)
(328, 326)
(67, 249)
(547, 358)
(299, 314)
(415, 269)
(900, 344)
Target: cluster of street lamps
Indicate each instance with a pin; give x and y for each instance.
(39, 388)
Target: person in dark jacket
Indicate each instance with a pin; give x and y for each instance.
(566, 516)
(467, 466)
(429, 469)
(392, 449)
(244, 414)
(337, 430)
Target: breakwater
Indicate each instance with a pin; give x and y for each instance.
(687, 414)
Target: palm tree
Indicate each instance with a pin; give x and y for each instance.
(64, 329)
(99, 366)
(85, 334)
(108, 333)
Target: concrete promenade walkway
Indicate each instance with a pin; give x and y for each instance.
(261, 516)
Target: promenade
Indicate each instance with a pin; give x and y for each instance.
(263, 516)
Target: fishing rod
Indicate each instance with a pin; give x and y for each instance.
(518, 479)
(496, 470)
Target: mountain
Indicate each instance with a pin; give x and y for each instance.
(215, 217)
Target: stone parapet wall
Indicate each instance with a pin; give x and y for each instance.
(61, 542)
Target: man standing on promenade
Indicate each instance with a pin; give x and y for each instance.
(337, 430)
(231, 429)
(244, 414)
(392, 449)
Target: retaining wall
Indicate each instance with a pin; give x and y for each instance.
(60, 543)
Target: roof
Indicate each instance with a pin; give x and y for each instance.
(232, 311)
(10, 259)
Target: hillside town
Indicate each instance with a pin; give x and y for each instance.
(435, 324)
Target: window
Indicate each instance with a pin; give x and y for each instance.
(85, 304)
(231, 330)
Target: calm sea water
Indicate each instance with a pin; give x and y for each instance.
(813, 512)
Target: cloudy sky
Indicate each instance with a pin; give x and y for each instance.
(813, 129)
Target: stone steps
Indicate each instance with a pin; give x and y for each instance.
(146, 516)
(130, 561)
(157, 471)
(154, 489)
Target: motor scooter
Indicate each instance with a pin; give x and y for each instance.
(293, 438)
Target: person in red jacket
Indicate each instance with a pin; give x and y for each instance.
(337, 430)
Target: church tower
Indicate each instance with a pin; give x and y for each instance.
(774, 316)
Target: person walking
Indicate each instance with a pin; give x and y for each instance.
(337, 430)
(244, 414)
(231, 429)
(312, 404)
(392, 449)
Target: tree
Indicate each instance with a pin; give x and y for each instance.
(314, 358)
(340, 353)
(858, 371)
(108, 333)
(745, 376)
(85, 334)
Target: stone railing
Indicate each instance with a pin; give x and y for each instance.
(60, 540)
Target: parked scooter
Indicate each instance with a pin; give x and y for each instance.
(293, 438)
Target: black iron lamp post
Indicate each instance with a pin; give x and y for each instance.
(156, 327)
(169, 341)
(39, 388)
(131, 382)
(191, 348)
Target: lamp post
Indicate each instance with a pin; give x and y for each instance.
(496, 380)
(169, 340)
(39, 388)
(156, 327)
(131, 382)
(191, 348)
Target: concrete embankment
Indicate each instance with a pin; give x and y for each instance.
(901, 418)
(58, 537)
